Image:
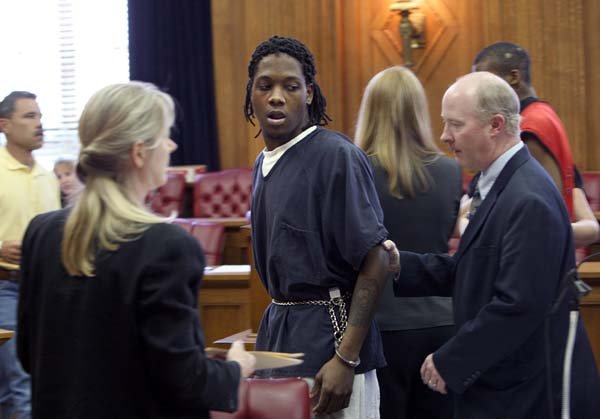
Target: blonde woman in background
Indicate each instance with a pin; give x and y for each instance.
(109, 326)
(419, 190)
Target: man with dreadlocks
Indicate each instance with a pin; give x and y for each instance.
(316, 234)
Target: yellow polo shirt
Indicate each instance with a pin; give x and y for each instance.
(24, 193)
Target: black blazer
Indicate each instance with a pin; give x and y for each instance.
(504, 278)
(126, 343)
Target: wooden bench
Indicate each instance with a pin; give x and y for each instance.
(590, 305)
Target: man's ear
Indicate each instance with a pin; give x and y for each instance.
(3, 123)
(138, 154)
(514, 78)
(309, 94)
(497, 124)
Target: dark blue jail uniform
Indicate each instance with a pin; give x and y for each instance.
(315, 216)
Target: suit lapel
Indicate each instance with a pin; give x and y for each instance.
(488, 203)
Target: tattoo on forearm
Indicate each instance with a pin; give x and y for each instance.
(363, 304)
(369, 284)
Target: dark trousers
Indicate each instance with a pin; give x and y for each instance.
(403, 394)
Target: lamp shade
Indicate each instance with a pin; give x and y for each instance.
(403, 5)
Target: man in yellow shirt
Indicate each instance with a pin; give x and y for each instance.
(26, 189)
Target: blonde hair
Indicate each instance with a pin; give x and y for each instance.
(63, 161)
(113, 120)
(394, 127)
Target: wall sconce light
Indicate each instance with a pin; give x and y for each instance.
(412, 31)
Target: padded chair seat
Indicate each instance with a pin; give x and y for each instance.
(276, 398)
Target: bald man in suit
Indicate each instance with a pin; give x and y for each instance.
(506, 359)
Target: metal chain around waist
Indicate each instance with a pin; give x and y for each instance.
(339, 327)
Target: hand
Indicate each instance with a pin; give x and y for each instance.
(431, 377)
(390, 247)
(246, 360)
(463, 214)
(333, 386)
(465, 205)
(11, 251)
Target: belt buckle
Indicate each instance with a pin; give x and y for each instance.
(335, 295)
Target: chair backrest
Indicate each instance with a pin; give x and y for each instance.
(591, 184)
(212, 240)
(170, 196)
(274, 398)
(222, 194)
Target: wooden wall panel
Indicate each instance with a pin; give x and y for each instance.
(591, 45)
(224, 311)
(590, 314)
(346, 39)
(453, 36)
(553, 33)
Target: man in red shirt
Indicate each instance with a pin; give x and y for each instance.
(543, 133)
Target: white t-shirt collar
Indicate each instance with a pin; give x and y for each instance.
(273, 156)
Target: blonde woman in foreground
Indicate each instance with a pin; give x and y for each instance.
(109, 326)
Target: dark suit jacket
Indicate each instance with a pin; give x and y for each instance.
(126, 343)
(504, 278)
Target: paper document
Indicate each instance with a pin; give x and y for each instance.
(264, 360)
(228, 269)
(246, 336)
(5, 335)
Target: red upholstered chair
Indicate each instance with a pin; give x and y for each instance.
(591, 184)
(212, 240)
(222, 194)
(277, 398)
(170, 196)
